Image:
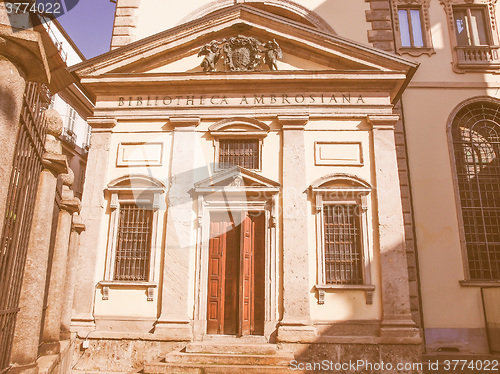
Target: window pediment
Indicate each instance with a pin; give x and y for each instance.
(136, 182)
(239, 127)
(236, 177)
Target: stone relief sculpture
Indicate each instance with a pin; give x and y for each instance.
(272, 54)
(211, 52)
(240, 53)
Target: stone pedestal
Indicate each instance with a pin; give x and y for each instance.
(93, 213)
(174, 321)
(29, 318)
(69, 286)
(295, 325)
(55, 299)
(396, 318)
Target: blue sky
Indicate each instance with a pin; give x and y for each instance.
(90, 24)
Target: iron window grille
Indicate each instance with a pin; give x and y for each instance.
(133, 250)
(476, 144)
(342, 241)
(240, 152)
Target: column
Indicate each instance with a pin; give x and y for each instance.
(396, 318)
(174, 321)
(296, 324)
(69, 288)
(29, 318)
(93, 213)
(55, 298)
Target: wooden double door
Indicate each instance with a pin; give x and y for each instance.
(236, 274)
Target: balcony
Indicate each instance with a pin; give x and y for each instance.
(69, 137)
(483, 57)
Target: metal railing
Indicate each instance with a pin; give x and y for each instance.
(25, 174)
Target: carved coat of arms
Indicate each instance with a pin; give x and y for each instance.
(241, 53)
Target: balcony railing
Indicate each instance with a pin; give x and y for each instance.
(474, 57)
(69, 136)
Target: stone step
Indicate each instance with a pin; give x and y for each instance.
(161, 367)
(228, 348)
(232, 339)
(228, 359)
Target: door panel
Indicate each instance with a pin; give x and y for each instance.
(259, 263)
(215, 310)
(246, 276)
(231, 311)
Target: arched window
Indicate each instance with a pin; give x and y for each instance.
(476, 145)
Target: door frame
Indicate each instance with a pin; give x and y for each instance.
(236, 203)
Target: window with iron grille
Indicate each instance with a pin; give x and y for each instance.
(476, 143)
(240, 152)
(133, 250)
(342, 244)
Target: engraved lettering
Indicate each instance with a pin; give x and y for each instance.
(178, 98)
(273, 99)
(139, 101)
(244, 100)
(333, 99)
(121, 101)
(224, 101)
(202, 100)
(346, 98)
(312, 98)
(360, 99)
(167, 100)
(285, 98)
(156, 101)
(190, 100)
(130, 101)
(212, 100)
(148, 104)
(299, 99)
(258, 100)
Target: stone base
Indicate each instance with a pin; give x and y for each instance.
(174, 331)
(50, 348)
(399, 328)
(24, 369)
(288, 333)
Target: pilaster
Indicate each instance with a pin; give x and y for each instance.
(296, 325)
(93, 214)
(69, 287)
(174, 321)
(52, 321)
(125, 23)
(29, 319)
(396, 318)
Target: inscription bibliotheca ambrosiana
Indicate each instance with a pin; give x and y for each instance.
(250, 100)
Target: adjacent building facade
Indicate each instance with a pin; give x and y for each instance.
(322, 175)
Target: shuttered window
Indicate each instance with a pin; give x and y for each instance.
(134, 243)
(342, 244)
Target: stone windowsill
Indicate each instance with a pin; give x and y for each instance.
(323, 288)
(107, 284)
(417, 51)
(476, 283)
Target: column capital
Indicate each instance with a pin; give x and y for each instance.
(102, 122)
(182, 122)
(55, 163)
(294, 122)
(78, 226)
(69, 202)
(383, 122)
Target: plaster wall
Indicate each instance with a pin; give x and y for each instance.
(154, 16)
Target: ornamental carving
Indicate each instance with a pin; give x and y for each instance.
(448, 7)
(240, 53)
(425, 10)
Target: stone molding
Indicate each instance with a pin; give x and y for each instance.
(102, 122)
(448, 7)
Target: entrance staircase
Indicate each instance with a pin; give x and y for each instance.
(223, 356)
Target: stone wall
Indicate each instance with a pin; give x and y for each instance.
(382, 36)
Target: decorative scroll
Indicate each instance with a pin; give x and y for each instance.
(240, 53)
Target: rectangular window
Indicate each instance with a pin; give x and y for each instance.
(342, 244)
(410, 28)
(470, 26)
(71, 118)
(133, 243)
(241, 152)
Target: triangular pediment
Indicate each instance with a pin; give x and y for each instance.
(236, 178)
(303, 47)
